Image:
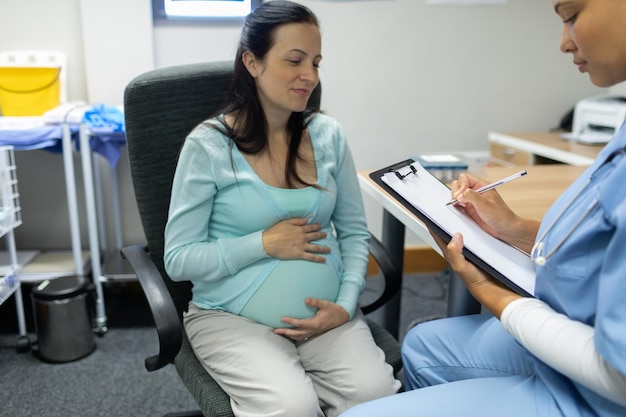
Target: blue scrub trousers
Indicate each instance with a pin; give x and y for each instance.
(463, 366)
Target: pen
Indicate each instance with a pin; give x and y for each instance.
(495, 184)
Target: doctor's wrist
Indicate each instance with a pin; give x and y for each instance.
(521, 233)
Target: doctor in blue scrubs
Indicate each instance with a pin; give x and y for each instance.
(562, 353)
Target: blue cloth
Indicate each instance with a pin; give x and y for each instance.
(107, 136)
(105, 124)
(470, 366)
(106, 143)
(108, 146)
(108, 118)
(48, 136)
(106, 127)
(220, 207)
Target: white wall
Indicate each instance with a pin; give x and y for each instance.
(114, 57)
(619, 89)
(402, 77)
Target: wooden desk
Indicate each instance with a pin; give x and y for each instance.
(530, 196)
(531, 148)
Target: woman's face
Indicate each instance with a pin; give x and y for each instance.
(594, 32)
(287, 75)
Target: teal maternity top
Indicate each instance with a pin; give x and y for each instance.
(284, 290)
(219, 209)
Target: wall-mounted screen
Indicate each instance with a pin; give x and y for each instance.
(202, 9)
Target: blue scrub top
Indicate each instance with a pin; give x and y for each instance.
(585, 278)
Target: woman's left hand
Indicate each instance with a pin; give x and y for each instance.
(486, 289)
(329, 315)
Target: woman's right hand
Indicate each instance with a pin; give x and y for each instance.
(492, 214)
(292, 239)
(487, 209)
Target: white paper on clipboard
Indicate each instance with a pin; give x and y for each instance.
(429, 196)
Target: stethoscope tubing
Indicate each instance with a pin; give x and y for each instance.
(536, 253)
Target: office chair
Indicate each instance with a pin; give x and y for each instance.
(161, 107)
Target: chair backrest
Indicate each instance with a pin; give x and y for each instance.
(161, 107)
(32, 82)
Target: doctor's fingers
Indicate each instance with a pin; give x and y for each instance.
(465, 182)
(471, 275)
(454, 255)
(489, 206)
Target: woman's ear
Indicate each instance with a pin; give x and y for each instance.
(250, 62)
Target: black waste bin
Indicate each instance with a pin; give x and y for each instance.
(62, 319)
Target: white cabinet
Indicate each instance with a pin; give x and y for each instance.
(10, 218)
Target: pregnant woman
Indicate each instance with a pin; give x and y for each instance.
(266, 220)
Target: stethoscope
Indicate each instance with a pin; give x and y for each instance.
(536, 253)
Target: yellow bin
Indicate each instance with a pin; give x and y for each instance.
(29, 91)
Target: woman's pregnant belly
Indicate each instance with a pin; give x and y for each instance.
(285, 289)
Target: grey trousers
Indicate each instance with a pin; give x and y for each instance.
(270, 375)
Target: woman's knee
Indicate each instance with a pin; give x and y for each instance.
(377, 383)
(281, 401)
(303, 404)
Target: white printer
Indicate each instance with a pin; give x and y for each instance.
(597, 118)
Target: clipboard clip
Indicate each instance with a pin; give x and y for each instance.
(403, 176)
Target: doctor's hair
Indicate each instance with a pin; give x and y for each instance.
(249, 129)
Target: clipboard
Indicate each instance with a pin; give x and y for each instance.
(425, 197)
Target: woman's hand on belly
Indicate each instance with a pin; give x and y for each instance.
(294, 239)
(329, 315)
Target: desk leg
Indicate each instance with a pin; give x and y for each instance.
(460, 300)
(393, 240)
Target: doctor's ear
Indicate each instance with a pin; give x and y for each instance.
(250, 62)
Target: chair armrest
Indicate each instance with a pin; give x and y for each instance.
(392, 275)
(166, 319)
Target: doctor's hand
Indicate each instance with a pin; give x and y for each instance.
(487, 209)
(328, 316)
(487, 290)
(292, 239)
(492, 214)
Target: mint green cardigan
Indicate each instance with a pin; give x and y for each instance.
(219, 207)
